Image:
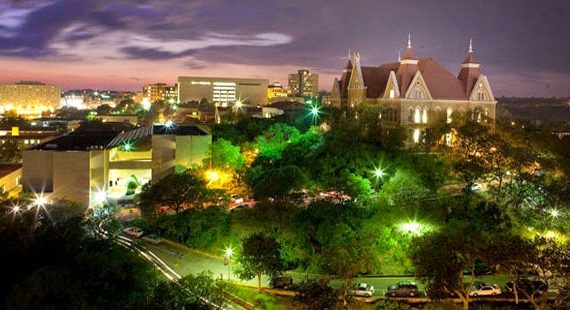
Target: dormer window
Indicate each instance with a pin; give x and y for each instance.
(481, 96)
(392, 94)
(418, 93)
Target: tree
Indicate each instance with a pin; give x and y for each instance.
(357, 186)
(277, 183)
(225, 155)
(9, 151)
(260, 254)
(176, 191)
(316, 294)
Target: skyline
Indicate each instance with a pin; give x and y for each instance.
(127, 44)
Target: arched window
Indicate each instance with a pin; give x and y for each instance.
(410, 115)
(417, 116)
(449, 113)
(418, 93)
(481, 95)
(425, 116)
(392, 94)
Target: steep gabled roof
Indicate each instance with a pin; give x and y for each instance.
(442, 84)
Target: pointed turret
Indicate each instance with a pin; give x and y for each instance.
(409, 53)
(408, 68)
(470, 70)
(356, 88)
(345, 77)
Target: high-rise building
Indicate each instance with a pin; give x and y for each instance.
(276, 91)
(303, 84)
(222, 90)
(29, 98)
(414, 92)
(160, 91)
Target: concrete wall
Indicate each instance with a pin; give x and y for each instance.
(71, 177)
(163, 156)
(192, 150)
(37, 171)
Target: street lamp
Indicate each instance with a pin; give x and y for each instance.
(378, 172)
(40, 201)
(228, 261)
(554, 213)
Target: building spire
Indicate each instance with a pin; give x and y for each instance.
(399, 56)
(349, 54)
(409, 40)
(470, 46)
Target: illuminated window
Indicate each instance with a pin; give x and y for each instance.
(410, 115)
(448, 138)
(449, 112)
(392, 94)
(425, 117)
(417, 116)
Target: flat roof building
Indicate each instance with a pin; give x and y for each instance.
(29, 98)
(97, 163)
(224, 91)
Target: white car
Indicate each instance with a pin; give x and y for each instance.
(362, 290)
(476, 187)
(134, 231)
(485, 290)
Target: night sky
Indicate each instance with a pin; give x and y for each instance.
(524, 46)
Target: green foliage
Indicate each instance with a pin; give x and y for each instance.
(176, 191)
(9, 151)
(260, 254)
(225, 155)
(279, 182)
(316, 294)
(357, 187)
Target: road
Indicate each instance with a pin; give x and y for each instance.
(140, 249)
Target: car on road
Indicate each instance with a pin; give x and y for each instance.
(483, 289)
(152, 238)
(236, 199)
(285, 283)
(528, 286)
(362, 290)
(134, 231)
(240, 207)
(403, 289)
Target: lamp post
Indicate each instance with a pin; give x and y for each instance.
(228, 261)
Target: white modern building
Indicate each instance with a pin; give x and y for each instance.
(222, 90)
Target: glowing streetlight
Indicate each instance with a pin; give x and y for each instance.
(412, 227)
(554, 213)
(378, 172)
(239, 104)
(100, 197)
(229, 252)
(40, 201)
(127, 146)
(212, 175)
(168, 124)
(16, 209)
(227, 261)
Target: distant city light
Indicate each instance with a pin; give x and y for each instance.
(146, 103)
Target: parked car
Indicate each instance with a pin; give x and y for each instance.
(476, 187)
(152, 238)
(281, 282)
(236, 199)
(240, 207)
(403, 289)
(483, 289)
(362, 290)
(528, 286)
(134, 231)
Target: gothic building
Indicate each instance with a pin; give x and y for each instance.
(415, 91)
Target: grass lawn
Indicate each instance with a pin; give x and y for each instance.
(262, 300)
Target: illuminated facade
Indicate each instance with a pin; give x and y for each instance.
(160, 91)
(29, 98)
(97, 165)
(276, 91)
(415, 92)
(303, 84)
(224, 91)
